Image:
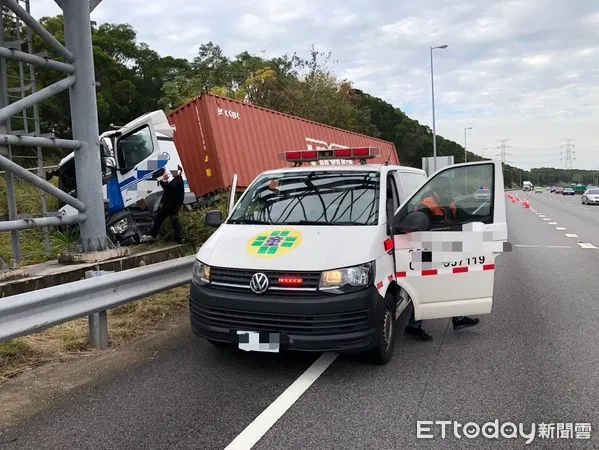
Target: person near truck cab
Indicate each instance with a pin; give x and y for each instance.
(441, 209)
(170, 204)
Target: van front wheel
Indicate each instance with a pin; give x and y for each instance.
(383, 352)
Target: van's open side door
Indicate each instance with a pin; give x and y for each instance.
(448, 266)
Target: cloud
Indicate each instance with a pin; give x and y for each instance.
(523, 70)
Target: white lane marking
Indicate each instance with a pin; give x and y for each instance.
(528, 246)
(542, 215)
(261, 424)
(558, 246)
(546, 219)
(586, 245)
(571, 235)
(552, 223)
(560, 228)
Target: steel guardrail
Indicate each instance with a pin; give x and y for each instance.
(31, 312)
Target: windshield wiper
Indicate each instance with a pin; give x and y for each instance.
(250, 221)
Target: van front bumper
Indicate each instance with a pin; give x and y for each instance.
(319, 323)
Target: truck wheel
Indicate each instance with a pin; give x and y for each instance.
(383, 352)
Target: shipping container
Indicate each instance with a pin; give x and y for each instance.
(217, 137)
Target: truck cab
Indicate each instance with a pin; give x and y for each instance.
(133, 157)
(334, 258)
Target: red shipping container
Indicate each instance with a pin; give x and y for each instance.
(217, 137)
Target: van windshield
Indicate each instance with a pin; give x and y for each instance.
(311, 198)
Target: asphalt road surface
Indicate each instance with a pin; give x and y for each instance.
(534, 360)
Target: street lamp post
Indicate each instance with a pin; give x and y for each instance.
(465, 144)
(433, 99)
(465, 157)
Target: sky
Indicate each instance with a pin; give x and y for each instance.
(524, 71)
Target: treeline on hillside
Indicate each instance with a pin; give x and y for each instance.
(134, 79)
(549, 176)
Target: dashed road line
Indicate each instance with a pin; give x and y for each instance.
(546, 219)
(570, 235)
(560, 228)
(586, 245)
(558, 246)
(552, 223)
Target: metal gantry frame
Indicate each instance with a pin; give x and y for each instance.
(80, 81)
(11, 36)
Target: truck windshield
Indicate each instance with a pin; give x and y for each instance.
(311, 198)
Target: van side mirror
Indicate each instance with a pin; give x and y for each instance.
(413, 221)
(214, 219)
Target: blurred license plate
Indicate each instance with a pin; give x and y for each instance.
(252, 341)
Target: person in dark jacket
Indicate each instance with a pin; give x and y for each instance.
(170, 204)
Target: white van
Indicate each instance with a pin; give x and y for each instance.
(327, 258)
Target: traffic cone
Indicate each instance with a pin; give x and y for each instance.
(526, 204)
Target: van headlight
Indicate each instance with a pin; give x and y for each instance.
(347, 278)
(200, 273)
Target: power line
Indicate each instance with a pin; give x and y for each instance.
(552, 156)
(527, 149)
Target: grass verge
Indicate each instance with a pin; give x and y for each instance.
(126, 323)
(71, 340)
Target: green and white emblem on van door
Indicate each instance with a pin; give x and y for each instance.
(274, 243)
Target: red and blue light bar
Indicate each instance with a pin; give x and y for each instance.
(337, 153)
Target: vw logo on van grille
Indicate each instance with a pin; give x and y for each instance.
(259, 283)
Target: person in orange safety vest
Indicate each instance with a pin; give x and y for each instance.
(434, 207)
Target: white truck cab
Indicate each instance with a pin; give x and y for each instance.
(133, 157)
(328, 258)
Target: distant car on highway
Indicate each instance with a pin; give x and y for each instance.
(559, 190)
(553, 188)
(568, 191)
(538, 190)
(591, 197)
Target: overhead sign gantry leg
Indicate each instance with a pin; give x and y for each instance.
(80, 81)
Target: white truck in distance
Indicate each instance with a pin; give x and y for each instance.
(527, 186)
(329, 258)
